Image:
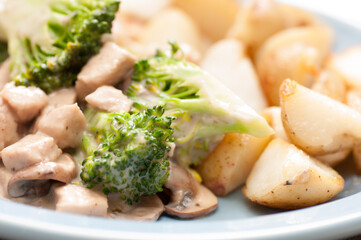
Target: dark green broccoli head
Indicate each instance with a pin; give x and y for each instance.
(204, 107)
(131, 157)
(53, 54)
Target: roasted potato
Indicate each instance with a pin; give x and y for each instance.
(229, 164)
(296, 53)
(333, 159)
(287, 178)
(161, 28)
(296, 17)
(214, 17)
(331, 85)
(346, 65)
(273, 117)
(227, 61)
(256, 21)
(316, 123)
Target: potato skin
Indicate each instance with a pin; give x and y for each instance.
(285, 177)
(229, 164)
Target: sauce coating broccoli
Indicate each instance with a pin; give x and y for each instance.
(68, 33)
(128, 153)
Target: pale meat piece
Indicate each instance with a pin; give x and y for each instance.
(31, 149)
(8, 126)
(61, 97)
(80, 200)
(26, 102)
(4, 73)
(108, 67)
(58, 98)
(65, 124)
(36, 180)
(109, 99)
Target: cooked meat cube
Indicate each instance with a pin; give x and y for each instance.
(77, 199)
(4, 73)
(61, 97)
(108, 67)
(26, 102)
(31, 149)
(8, 126)
(35, 181)
(65, 124)
(109, 99)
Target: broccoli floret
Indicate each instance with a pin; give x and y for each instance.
(3, 51)
(128, 153)
(204, 107)
(51, 40)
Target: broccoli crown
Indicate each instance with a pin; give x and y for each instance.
(3, 51)
(69, 36)
(131, 157)
(204, 107)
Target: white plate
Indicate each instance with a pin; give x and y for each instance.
(235, 218)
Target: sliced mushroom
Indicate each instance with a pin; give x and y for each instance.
(189, 199)
(148, 208)
(35, 180)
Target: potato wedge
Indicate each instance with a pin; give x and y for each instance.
(141, 9)
(329, 84)
(273, 117)
(346, 65)
(353, 99)
(333, 159)
(256, 21)
(229, 164)
(227, 61)
(161, 28)
(316, 123)
(296, 17)
(214, 17)
(295, 53)
(287, 178)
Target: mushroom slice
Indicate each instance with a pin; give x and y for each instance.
(148, 208)
(34, 181)
(189, 199)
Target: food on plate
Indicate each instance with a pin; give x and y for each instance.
(285, 177)
(344, 64)
(131, 111)
(296, 53)
(49, 51)
(316, 123)
(228, 165)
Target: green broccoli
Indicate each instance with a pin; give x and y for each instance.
(204, 107)
(50, 40)
(127, 153)
(3, 51)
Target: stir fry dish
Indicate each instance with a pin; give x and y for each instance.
(127, 110)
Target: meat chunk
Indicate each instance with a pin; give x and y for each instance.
(108, 67)
(109, 99)
(31, 149)
(61, 97)
(35, 181)
(4, 73)
(65, 124)
(26, 102)
(8, 126)
(80, 200)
